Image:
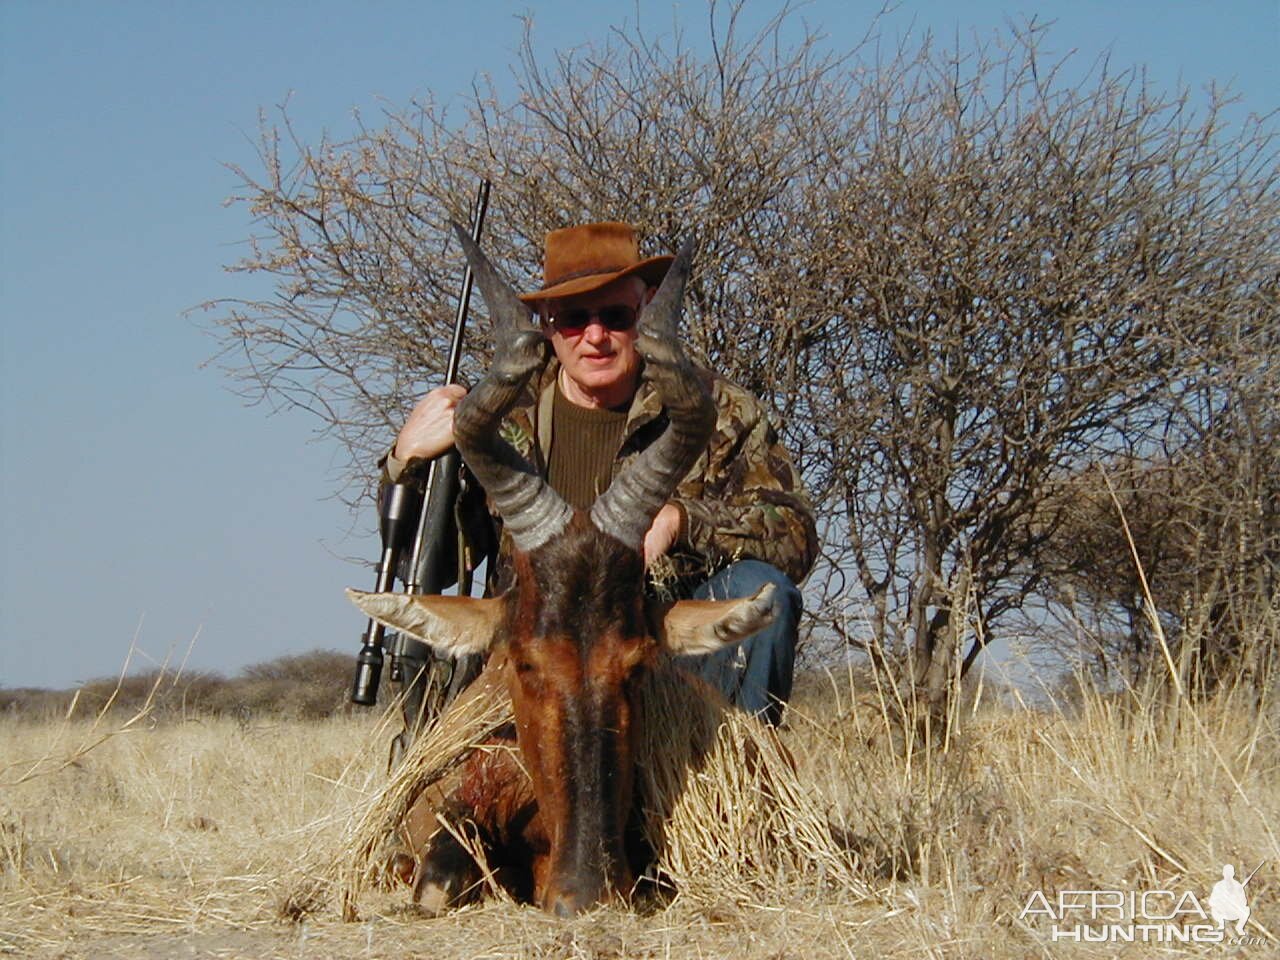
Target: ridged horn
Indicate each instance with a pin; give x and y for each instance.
(638, 492)
(530, 509)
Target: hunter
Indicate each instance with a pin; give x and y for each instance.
(738, 520)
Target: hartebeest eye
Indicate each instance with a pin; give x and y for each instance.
(528, 674)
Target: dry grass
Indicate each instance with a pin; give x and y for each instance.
(726, 807)
(189, 838)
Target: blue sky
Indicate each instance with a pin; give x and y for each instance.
(141, 500)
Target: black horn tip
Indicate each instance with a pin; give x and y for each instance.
(661, 316)
(672, 286)
(685, 253)
(683, 262)
(463, 235)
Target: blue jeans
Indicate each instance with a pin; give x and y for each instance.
(754, 675)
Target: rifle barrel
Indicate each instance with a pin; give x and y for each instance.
(425, 575)
(468, 280)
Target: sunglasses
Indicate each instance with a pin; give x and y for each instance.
(615, 318)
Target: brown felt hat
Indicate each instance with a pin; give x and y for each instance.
(584, 258)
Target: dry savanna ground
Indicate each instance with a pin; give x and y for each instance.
(207, 836)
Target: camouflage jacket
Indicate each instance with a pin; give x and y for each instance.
(743, 498)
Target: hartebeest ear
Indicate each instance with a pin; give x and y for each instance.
(692, 627)
(454, 626)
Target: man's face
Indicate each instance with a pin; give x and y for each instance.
(596, 355)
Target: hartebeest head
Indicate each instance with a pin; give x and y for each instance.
(574, 624)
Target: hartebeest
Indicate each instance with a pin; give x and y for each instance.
(574, 632)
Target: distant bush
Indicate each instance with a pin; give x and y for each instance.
(306, 686)
(327, 665)
(173, 695)
(302, 686)
(31, 703)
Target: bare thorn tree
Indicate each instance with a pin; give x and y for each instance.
(958, 275)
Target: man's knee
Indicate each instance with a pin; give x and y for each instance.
(744, 578)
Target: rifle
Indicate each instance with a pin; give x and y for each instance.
(400, 505)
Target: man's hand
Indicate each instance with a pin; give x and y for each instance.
(662, 533)
(429, 430)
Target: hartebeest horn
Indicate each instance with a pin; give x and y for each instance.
(530, 509)
(638, 492)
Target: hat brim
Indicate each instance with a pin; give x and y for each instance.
(651, 271)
